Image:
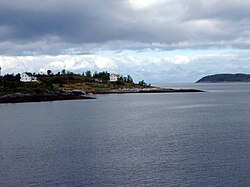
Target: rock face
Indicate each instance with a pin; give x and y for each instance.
(21, 98)
(225, 78)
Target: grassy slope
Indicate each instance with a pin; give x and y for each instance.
(59, 83)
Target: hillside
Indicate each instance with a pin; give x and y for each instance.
(66, 81)
(225, 78)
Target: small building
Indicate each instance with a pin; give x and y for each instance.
(114, 77)
(28, 77)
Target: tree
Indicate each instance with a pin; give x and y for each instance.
(49, 72)
(88, 74)
(142, 83)
(96, 75)
(64, 71)
(121, 79)
(103, 76)
(129, 79)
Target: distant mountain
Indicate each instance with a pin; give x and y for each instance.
(239, 77)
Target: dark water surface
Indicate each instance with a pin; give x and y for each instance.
(177, 139)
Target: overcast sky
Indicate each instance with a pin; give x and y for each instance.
(159, 41)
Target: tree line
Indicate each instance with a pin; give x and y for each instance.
(67, 76)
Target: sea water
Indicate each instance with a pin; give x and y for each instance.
(166, 139)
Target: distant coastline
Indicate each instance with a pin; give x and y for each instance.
(225, 78)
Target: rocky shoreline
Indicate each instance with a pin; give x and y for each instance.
(75, 95)
(23, 98)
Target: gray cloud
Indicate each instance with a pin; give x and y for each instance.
(57, 26)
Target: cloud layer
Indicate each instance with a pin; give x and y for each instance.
(72, 34)
(58, 26)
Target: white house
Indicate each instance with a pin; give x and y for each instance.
(28, 77)
(114, 77)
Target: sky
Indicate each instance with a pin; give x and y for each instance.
(159, 41)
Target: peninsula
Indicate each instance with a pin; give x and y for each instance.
(220, 78)
(65, 85)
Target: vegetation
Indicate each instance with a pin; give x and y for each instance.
(66, 80)
(12, 84)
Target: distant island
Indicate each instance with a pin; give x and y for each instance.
(220, 78)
